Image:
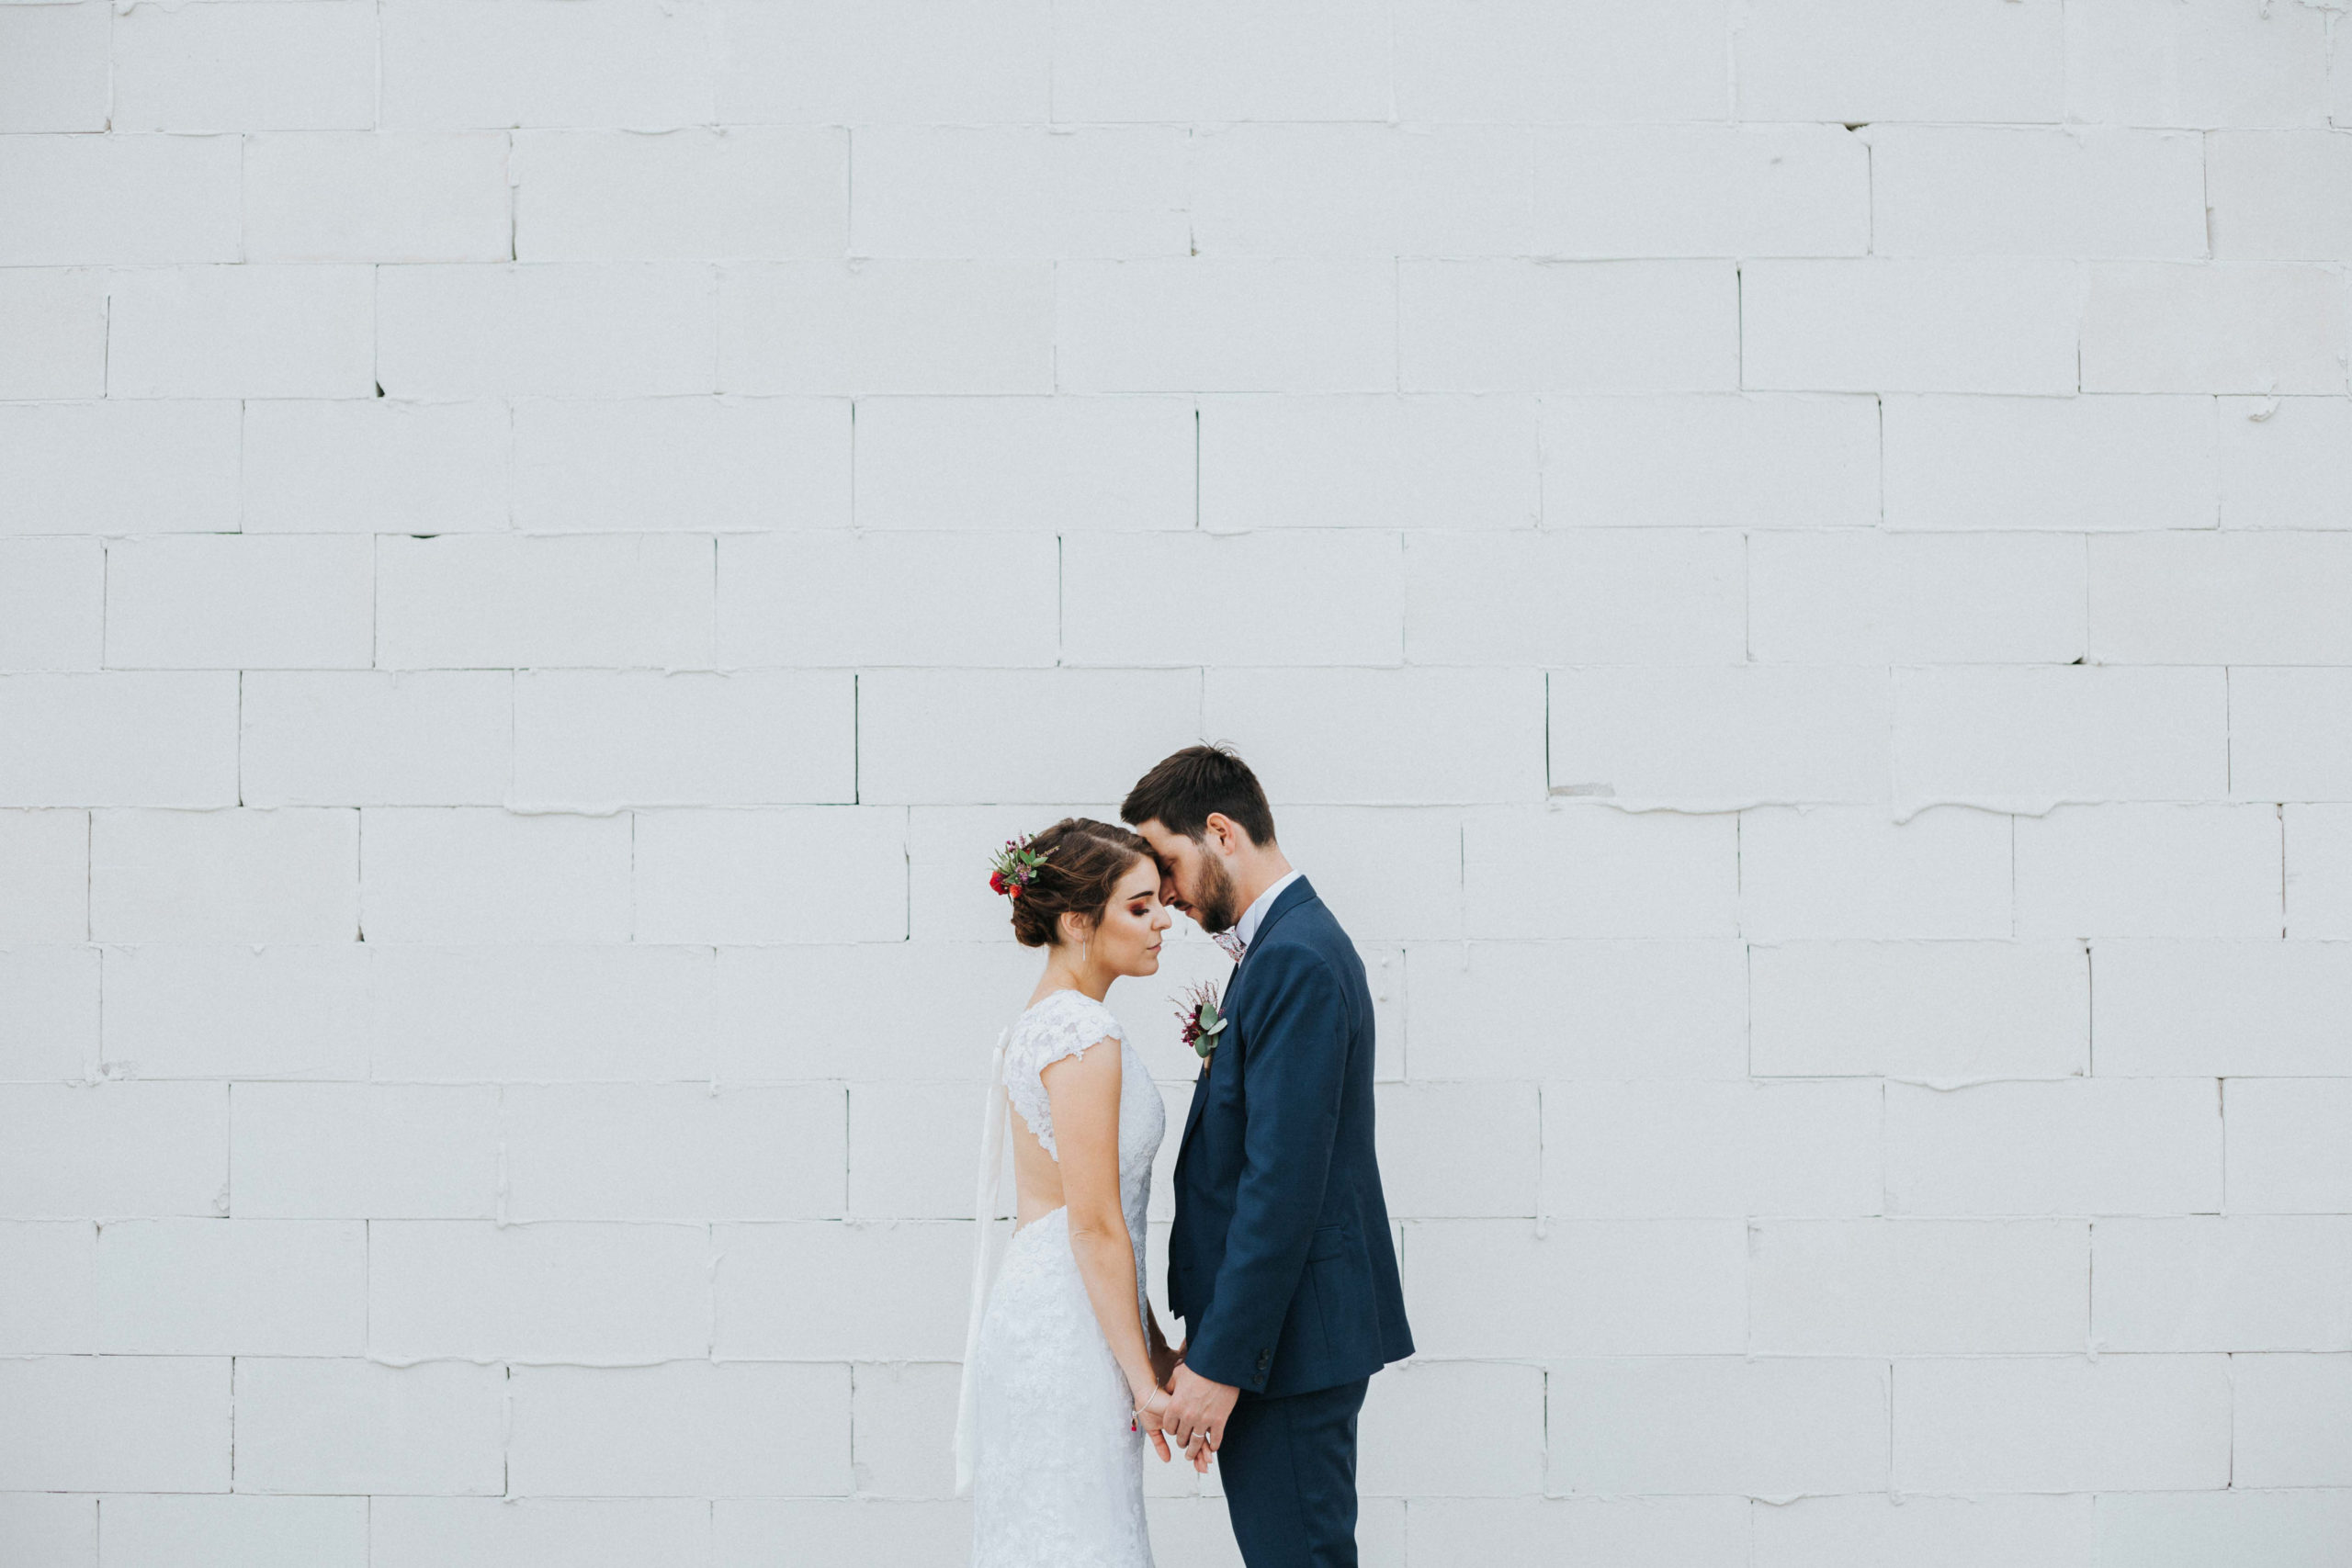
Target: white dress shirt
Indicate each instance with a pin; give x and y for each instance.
(1245, 928)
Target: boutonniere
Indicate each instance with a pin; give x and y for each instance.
(1203, 1022)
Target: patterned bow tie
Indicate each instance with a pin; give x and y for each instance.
(1231, 942)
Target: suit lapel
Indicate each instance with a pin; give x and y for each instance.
(1200, 1083)
(1297, 893)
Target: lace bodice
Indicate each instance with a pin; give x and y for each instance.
(1064, 1024)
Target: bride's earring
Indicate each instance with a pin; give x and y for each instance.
(1083, 949)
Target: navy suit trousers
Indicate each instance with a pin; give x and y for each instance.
(1288, 1466)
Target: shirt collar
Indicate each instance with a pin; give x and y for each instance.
(1245, 928)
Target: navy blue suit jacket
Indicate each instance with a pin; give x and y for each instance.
(1280, 1261)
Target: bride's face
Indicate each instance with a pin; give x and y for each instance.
(1126, 938)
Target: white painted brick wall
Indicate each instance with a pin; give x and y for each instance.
(55, 319)
(243, 66)
(1785, 563)
(260, 330)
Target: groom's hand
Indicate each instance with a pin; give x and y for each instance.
(1197, 1408)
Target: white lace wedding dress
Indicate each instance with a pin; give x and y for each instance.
(1045, 1437)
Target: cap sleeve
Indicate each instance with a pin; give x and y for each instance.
(1064, 1024)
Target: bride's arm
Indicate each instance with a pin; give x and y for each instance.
(1084, 1091)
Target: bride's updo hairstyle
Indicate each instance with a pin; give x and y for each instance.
(1083, 861)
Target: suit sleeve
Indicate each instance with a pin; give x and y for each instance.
(1293, 1079)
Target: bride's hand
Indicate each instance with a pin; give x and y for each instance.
(1149, 1415)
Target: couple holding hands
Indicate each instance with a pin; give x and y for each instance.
(1280, 1261)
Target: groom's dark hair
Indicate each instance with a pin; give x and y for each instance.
(1182, 790)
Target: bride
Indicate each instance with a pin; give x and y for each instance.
(1064, 1362)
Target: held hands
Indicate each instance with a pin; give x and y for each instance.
(1151, 1416)
(1153, 1411)
(1195, 1418)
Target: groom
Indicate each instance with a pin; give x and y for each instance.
(1280, 1261)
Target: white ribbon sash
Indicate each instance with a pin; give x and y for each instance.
(984, 1263)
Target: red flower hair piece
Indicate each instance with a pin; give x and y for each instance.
(1014, 866)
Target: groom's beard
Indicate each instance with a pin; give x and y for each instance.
(1220, 903)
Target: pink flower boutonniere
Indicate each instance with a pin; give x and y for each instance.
(1203, 1022)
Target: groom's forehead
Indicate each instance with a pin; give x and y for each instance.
(1164, 845)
